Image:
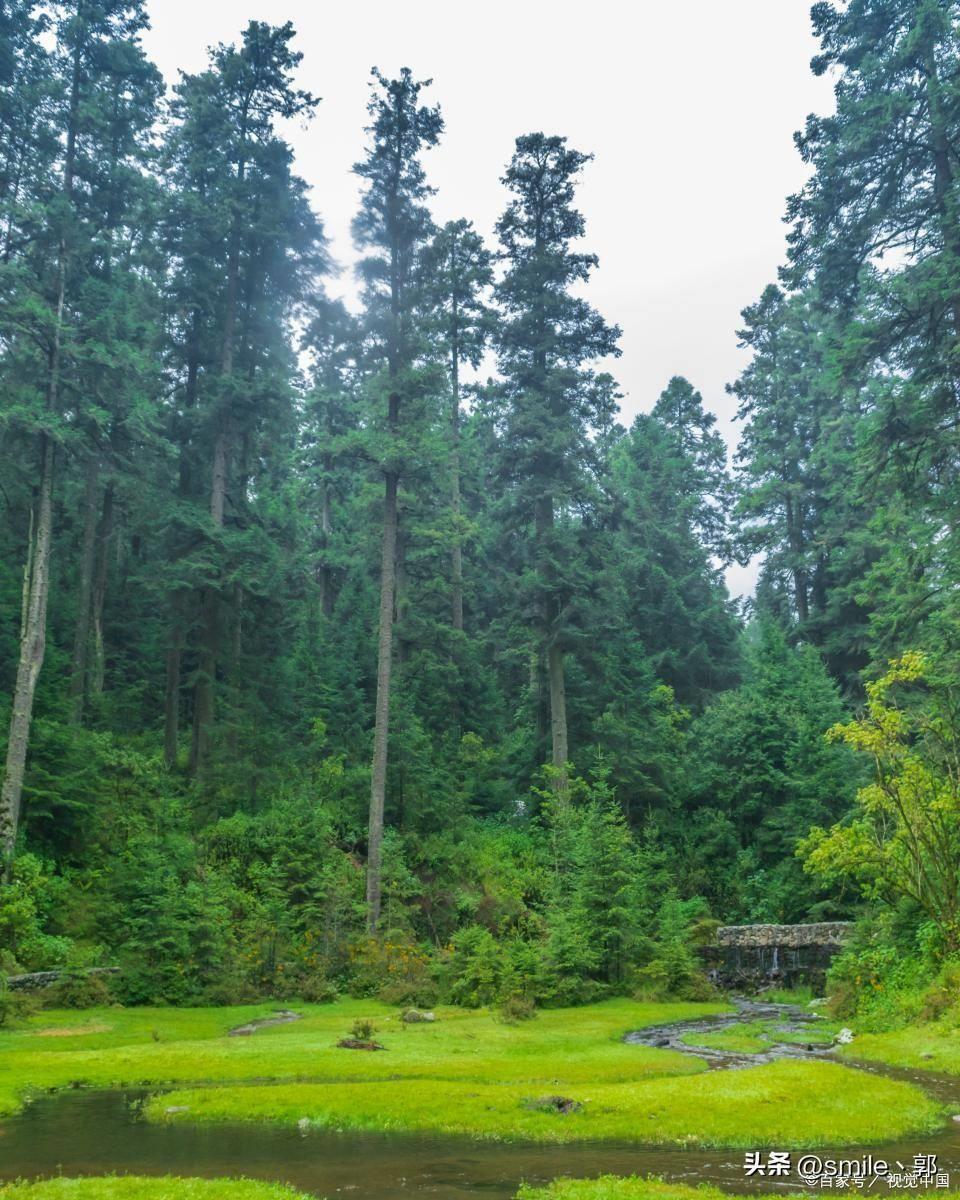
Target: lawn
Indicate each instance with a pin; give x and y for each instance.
(112, 1047)
(133, 1187)
(933, 1047)
(466, 1073)
(789, 1103)
(620, 1187)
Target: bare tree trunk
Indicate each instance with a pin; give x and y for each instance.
(456, 552)
(795, 540)
(33, 625)
(558, 707)
(325, 575)
(171, 706)
(378, 782)
(104, 538)
(81, 637)
(33, 632)
(554, 655)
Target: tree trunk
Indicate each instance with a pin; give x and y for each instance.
(795, 541)
(33, 624)
(558, 709)
(552, 652)
(378, 781)
(456, 551)
(33, 631)
(203, 690)
(104, 538)
(171, 707)
(325, 575)
(81, 637)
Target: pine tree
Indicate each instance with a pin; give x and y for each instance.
(96, 64)
(456, 270)
(551, 400)
(247, 249)
(391, 227)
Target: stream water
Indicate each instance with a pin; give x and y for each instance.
(97, 1132)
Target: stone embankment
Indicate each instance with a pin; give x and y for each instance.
(753, 957)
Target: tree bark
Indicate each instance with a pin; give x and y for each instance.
(104, 538)
(171, 706)
(378, 781)
(325, 575)
(552, 652)
(456, 551)
(33, 633)
(33, 625)
(81, 636)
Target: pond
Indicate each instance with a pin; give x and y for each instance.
(98, 1132)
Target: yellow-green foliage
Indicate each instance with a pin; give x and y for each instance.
(757, 1106)
(107, 1047)
(135, 1187)
(904, 840)
(622, 1187)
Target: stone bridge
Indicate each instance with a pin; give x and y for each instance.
(756, 956)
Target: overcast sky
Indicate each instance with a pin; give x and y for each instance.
(689, 107)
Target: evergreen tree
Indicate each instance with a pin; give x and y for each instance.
(457, 269)
(101, 106)
(551, 401)
(391, 227)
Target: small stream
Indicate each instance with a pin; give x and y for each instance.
(96, 1132)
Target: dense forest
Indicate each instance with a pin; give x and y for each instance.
(366, 649)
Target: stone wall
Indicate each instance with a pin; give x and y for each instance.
(824, 933)
(753, 957)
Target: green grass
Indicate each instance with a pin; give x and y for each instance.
(126, 1047)
(789, 1103)
(623, 1187)
(466, 1073)
(933, 1047)
(134, 1187)
(744, 1038)
(755, 1037)
(795, 995)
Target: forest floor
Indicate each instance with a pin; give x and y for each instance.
(465, 1073)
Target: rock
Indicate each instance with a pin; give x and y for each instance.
(414, 1016)
(303, 1124)
(663, 1041)
(284, 1017)
(956, 1117)
(844, 1037)
(823, 933)
(356, 1044)
(557, 1104)
(176, 1108)
(927, 1055)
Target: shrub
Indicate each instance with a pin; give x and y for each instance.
(77, 989)
(517, 1008)
(14, 1006)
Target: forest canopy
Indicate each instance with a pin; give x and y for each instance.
(366, 647)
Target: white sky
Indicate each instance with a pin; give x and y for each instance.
(689, 107)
